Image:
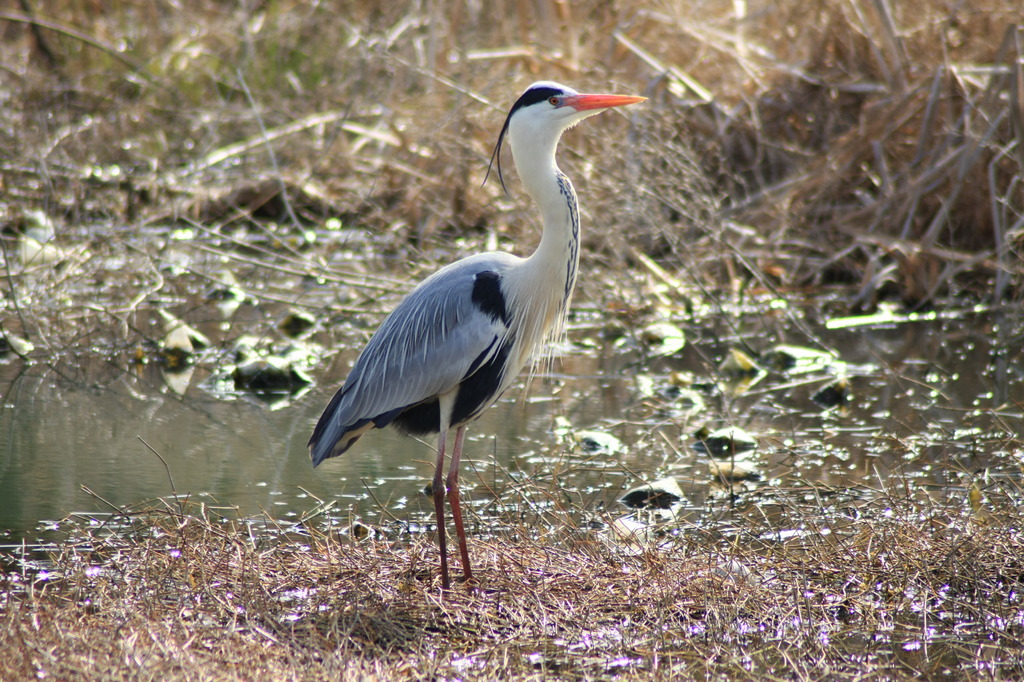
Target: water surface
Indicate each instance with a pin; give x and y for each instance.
(936, 401)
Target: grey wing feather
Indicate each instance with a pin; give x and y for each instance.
(424, 348)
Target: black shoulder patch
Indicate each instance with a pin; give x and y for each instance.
(488, 297)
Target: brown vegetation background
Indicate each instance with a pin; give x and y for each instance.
(869, 144)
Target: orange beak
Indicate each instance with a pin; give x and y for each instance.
(585, 102)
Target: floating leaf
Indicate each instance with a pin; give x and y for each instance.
(37, 225)
(172, 324)
(178, 378)
(733, 470)
(228, 296)
(594, 442)
(587, 441)
(271, 373)
(740, 372)
(738, 364)
(12, 343)
(176, 350)
(359, 531)
(34, 252)
(37, 234)
(690, 400)
(726, 443)
(296, 323)
(664, 493)
(797, 359)
(834, 394)
(663, 338)
(244, 347)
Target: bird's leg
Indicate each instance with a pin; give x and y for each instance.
(437, 489)
(453, 500)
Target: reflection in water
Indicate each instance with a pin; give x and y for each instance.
(924, 394)
(58, 436)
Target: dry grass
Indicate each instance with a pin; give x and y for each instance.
(172, 596)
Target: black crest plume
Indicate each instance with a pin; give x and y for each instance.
(532, 95)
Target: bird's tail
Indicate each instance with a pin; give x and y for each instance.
(330, 439)
(332, 436)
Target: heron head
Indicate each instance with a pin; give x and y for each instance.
(545, 110)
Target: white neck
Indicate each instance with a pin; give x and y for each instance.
(549, 275)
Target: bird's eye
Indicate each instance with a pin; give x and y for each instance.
(553, 101)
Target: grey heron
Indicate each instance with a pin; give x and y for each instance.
(460, 338)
